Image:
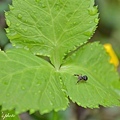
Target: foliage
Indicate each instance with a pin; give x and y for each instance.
(50, 46)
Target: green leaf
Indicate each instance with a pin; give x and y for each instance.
(53, 28)
(46, 26)
(29, 83)
(90, 60)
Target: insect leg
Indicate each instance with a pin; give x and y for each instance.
(76, 75)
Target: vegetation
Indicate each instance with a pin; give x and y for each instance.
(50, 44)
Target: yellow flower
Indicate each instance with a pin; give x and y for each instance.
(114, 60)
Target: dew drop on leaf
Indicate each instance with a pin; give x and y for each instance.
(43, 6)
(17, 24)
(38, 84)
(11, 7)
(32, 111)
(25, 29)
(8, 94)
(69, 15)
(53, 97)
(7, 30)
(35, 93)
(88, 33)
(51, 103)
(93, 10)
(19, 16)
(74, 23)
(91, 48)
(34, 11)
(64, 90)
(6, 13)
(96, 20)
(37, 0)
(39, 27)
(5, 83)
(20, 28)
(8, 22)
(90, 22)
(74, 54)
(57, 6)
(23, 88)
(39, 91)
(26, 21)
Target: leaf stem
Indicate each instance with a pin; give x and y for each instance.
(55, 116)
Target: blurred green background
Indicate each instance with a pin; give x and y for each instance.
(109, 27)
(108, 31)
(3, 7)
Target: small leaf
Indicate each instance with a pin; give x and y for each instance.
(29, 83)
(46, 26)
(90, 60)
